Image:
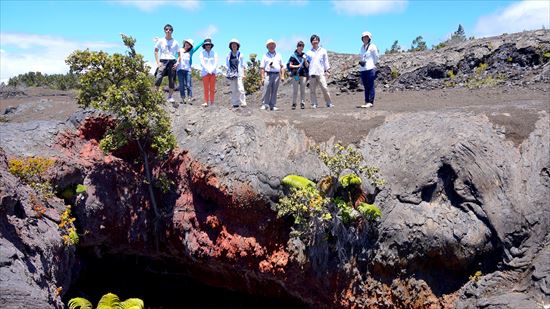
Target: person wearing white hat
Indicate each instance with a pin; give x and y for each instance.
(235, 73)
(271, 67)
(209, 64)
(367, 67)
(185, 60)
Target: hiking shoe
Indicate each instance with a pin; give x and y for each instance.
(263, 107)
(274, 108)
(314, 106)
(171, 100)
(293, 106)
(235, 106)
(243, 104)
(367, 105)
(204, 104)
(330, 105)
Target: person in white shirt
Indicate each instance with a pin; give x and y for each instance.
(367, 67)
(235, 73)
(209, 64)
(271, 67)
(318, 68)
(167, 47)
(185, 60)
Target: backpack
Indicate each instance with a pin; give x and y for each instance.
(288, 64)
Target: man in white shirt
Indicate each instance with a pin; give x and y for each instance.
(167, 47)
(318, 67)
(367, 67)
(271, 66)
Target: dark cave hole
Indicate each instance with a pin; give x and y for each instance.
(160, 284)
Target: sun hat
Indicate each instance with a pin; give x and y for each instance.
(234, 41)
(190, 41)
(207, 42)
(366, 33)
(269, 42)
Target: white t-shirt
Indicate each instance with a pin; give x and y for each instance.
(167, 49)
(369, 54)
(275, 59)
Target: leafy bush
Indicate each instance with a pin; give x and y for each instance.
(66, 225)
(327, 217)
(481, 68)
(31, 170)
(394, 73)
(252, 82)
(108, 301)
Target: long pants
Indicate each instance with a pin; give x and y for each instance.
(238, 96)
(209, 83)
(184, 80)
(315, 80)
(367, 78)
(301, 83)
(166, 68)
(272, 85)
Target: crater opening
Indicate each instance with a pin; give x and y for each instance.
(164, 285)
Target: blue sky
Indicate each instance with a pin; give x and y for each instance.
(38, 35)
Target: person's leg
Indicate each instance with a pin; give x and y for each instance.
(212, 87)
(234, 88)
(312, 87)
(264, 92)
(181, 83)
(364, 81)
(324, 90)
(268, 90)
(370, 84)
(205, 84)
(160, 74)
(276, 81)
(242, 93)
(171, 77)
(302, 91)
(295, 84)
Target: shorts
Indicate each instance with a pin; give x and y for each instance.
(166, 68)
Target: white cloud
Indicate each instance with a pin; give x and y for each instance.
(22, 53)
(146, 5)
(208, 32)
(369, 7)
(525, 15)
(287, 45)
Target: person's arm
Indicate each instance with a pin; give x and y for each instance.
(215, 64)
(243, 65)
(157, 56)
(203, 63)
(282, 74)
(194, 49)
(375, 54)
(326, 64)
(227, 61)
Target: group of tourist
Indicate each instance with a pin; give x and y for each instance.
(311, 67)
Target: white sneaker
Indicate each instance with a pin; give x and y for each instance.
(368, 105)
(330, 105)
(204, 104)
(275, 108)
(171, 100)
(314, 106)
(263, 107)
(243, 104)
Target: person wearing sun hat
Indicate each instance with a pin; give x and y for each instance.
(185, 60)
(209, 64)
(235, 73)
(271, 67)
(367, 67)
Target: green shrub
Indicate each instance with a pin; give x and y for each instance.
(451, 74)
(394, 73)
(481, 68)
(108, 301)
(369, 211)
(252, 82)
(297, 182)
(31, 170)
(68, 230)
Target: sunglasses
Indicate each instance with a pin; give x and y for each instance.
(169, 29)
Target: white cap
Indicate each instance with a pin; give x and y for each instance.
(366, 33)
(269, 42)
(190, 41)
(234, 41)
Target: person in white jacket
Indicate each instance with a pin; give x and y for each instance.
(367, 67)
(209, 64)
(235, 73)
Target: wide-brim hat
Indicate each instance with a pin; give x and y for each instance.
(190, 41)
(366, 33)
(270, 41)
(207, 42)
(236, 42)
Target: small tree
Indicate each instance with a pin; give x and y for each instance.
(395, 48)
(252, 82)
(458, 35)
(120, 85)
(418, 44)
